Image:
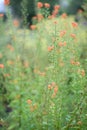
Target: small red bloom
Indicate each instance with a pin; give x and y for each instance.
(56, 7)
(1, 66)
(1, 15)
(39, 5)
(64, 15)
(74, 24)
(47, 5)
(6, 2)
(50, 48)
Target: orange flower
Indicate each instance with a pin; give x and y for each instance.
(64, 15)
(49, 87)
(50, 48)
(6, 2)
(16, 23)
(60, 44)
(47, 5)
(53, 84)
(77, 63)
(55, 22)
(39, 5)
(83, 73)
(29, 101)
(39, 17)
(55, 12)
(26, 64)
(55, 89)
(56, 7)
(51, 16)
(33, 27)
(74, 24)
(64, 43)
(1, 66)
(62, 33)
(72, 62)
(73, 35)
(80, 11)
(1, 15)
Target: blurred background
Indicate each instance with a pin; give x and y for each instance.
(71, 7)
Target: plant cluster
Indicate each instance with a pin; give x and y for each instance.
(43, 83)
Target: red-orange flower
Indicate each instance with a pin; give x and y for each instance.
(47, 5)
(50, 48)
(33, 27)
(16, 23)
(64, 15)
(73, 35)
(1, 66)
(56, 7)
(74, 24)
(39, 5)
(29, 101)
(51, 16)
(39, 17)
(55, 12)
(55, 89)
(49, 87)
(6, 2)
(62, 44)
(72, 62)
(1, 15)
(62, 33)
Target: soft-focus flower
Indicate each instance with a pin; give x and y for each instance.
(54, 13)
(72, 62)
(47, 5)
(1, 66)
(1, 15)
(73, 35)
(62, 44)
(33, 27)
(6, 2)
(55, 22)
(26, 64)
(62, 33)
(50, 48)
(55, 89)
(39, 5)
(74, 24)
(56, 7)
(77, 63)
(29, 101)
(49, 86)
(16, 23)
(64, 15)
(40, 17)
(83, 73)
(51, 16)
